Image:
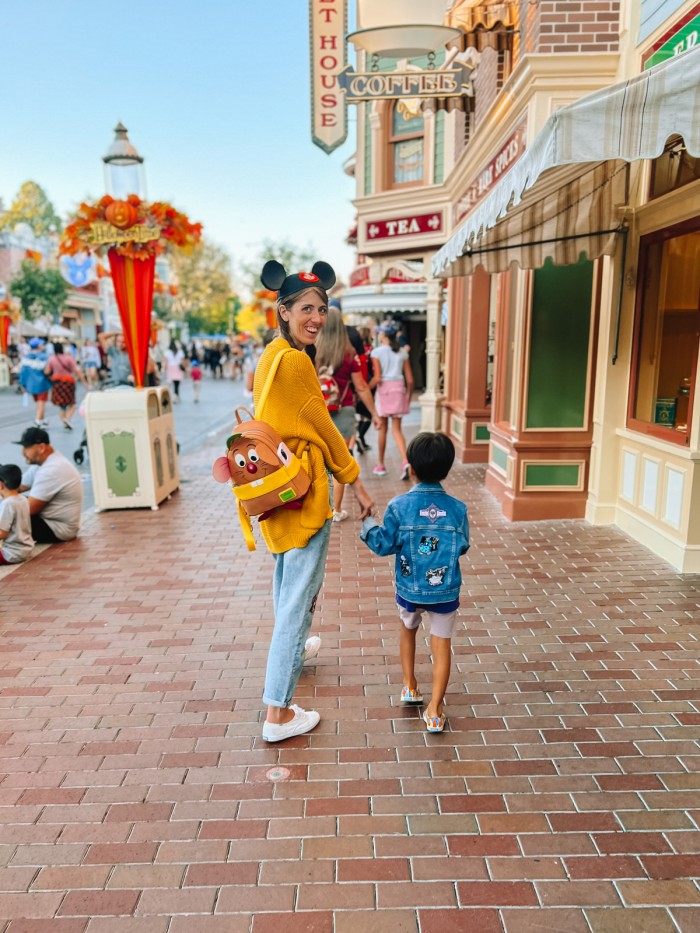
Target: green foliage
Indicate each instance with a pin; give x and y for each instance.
(40, 291)
(292, 258)
(204, 284)
(31, 206)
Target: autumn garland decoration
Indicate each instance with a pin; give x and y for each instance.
(157, 227)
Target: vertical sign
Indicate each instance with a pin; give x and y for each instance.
(328, 54)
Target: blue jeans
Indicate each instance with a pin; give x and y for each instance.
(295, 585)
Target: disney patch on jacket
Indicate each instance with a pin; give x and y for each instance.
(405, 566)
(436, 576)
(428, 544)
(432, 512)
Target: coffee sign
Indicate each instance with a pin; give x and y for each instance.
(403, 226)
(328, 25)
(386, 85)
(509, 153)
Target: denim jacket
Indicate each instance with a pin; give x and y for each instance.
(428, 530)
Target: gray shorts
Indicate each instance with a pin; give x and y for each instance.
(345, 422)
(442, 624)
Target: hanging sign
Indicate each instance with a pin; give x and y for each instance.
(102, 232)
(328, 55)
(509, 153)
(387, 85)
(682, 37)
(404, 226)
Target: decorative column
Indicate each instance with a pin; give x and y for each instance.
(432, 397)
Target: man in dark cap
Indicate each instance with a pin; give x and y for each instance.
(55, 489)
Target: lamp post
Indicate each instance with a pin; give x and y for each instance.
(123, 167)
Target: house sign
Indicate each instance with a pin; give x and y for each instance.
(509, 153)
(327, 28)
(385, 85)
(403, 226)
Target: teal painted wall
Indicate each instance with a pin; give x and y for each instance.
(439, 176)
(559, 336)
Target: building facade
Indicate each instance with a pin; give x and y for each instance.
(562, 314)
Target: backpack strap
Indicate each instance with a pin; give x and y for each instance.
(268, 382)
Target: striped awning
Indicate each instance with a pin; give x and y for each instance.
(562, 198)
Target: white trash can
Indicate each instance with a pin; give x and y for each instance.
(132, 447)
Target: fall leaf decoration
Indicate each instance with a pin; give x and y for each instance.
(175, 228)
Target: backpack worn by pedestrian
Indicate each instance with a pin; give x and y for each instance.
(330, 389)
(265, 474)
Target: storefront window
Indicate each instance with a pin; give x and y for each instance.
(667, 333)
(674, 168)
(407, 148)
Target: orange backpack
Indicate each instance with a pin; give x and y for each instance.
(265, 474)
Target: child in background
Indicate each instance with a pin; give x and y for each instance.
(428, 530)
(196, 375)
(15, 523)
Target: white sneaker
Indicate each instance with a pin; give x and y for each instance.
(303, 721)
(340, 516)
(311, 648)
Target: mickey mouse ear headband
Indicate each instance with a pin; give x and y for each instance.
(274, 277)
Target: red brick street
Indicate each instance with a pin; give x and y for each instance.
(138, 795)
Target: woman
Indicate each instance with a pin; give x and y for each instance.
(335, 352)
(174, 358)
(62, 370)
(91, 362)
(391, 374)
(298, 538)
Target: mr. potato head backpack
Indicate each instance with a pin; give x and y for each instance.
(265, 474)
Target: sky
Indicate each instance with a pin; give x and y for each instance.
(214, 95)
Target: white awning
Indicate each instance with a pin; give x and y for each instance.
(591, 140)
(390, 298)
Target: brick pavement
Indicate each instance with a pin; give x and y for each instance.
(138, 797)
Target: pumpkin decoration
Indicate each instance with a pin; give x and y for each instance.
(122, 214)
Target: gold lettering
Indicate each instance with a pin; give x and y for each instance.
(107, 233)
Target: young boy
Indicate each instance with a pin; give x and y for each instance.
(15, 524)
(428, 530)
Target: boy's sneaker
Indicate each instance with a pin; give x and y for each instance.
(303, 721)
(379, 470)
(311, 648)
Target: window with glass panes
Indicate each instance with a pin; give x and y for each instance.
(407, 146)
(667, 333)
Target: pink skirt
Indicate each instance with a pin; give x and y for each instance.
(391, 399)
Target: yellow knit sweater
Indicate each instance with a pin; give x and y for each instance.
(296, 409)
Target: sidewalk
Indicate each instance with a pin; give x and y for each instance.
(137, 795)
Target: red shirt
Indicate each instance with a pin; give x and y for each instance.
(343, 376)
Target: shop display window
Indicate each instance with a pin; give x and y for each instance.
(673, 169)
(667, 333)
(407, 147)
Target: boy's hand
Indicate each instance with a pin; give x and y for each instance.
(364, 498)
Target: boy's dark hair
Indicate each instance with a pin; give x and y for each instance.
(11, 475)
(431, 455)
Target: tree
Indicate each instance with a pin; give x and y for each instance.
(204, 286)
(32, 207)
(292, 258)
(40, 291)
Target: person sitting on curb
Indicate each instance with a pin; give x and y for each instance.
(55, 489)
(16, 540)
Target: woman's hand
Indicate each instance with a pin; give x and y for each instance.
(364, 498)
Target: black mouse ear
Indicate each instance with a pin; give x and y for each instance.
(273, 275)
(325, 273)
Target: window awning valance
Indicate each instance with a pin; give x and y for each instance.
(568, 186)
